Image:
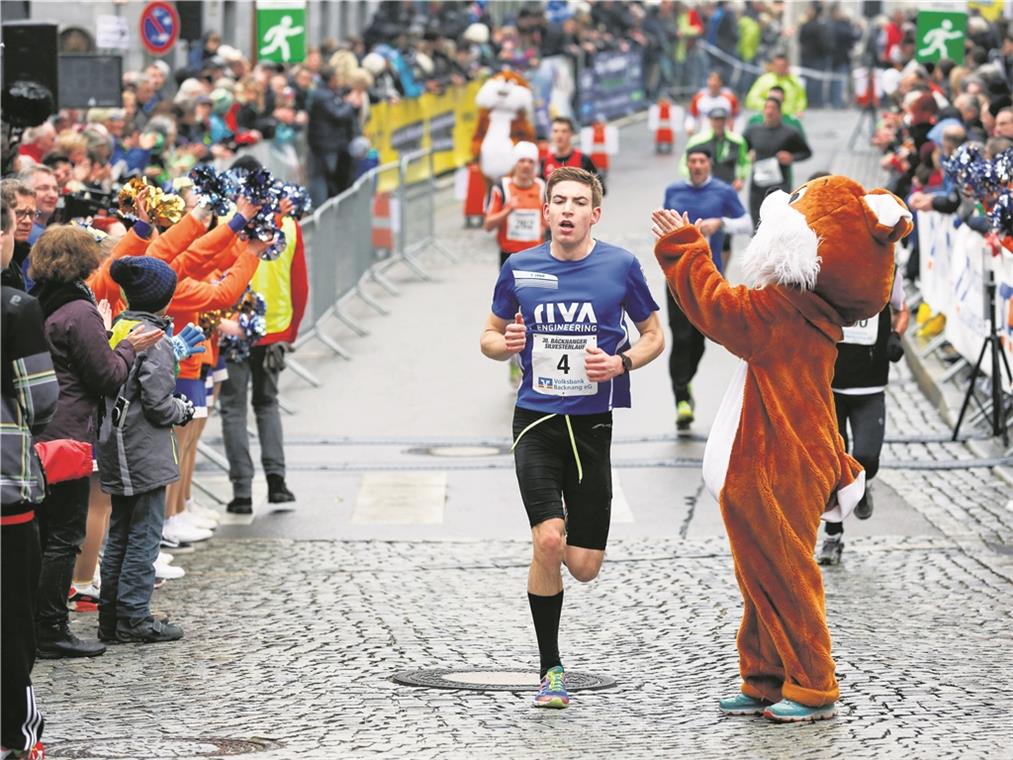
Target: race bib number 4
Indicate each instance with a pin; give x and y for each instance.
(557, 365)
(522, 226)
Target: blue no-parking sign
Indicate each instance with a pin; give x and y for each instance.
(159, 27)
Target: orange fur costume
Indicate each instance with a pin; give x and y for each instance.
(820, 260)
(504, 119)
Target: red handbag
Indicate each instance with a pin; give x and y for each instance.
(64, 459)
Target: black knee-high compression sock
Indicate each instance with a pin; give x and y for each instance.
(545, 612)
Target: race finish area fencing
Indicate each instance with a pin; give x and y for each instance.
(344, 251)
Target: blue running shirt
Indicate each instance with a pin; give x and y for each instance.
(569, 306)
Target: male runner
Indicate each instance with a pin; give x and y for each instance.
(572, 294)
(562, 152)
(716, 203)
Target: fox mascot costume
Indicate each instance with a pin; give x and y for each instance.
(821, 259)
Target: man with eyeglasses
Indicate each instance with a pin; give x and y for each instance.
(22, 199)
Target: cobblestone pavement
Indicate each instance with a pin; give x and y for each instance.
(293, 631)
(295, 642)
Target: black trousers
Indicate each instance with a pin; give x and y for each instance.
(21, 726)
(687, 350)
(63, 517)
(866, 415)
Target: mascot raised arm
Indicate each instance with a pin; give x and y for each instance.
(821, 259)
(506, 104)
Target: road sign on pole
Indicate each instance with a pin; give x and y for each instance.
(940, 35)
(281, 30)
(159, 27)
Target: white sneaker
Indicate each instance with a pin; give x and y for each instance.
(178, 530)
(165, 558)
(201, 511)
(196, 521)
(168, 572)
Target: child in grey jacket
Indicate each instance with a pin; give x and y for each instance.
(137, 457)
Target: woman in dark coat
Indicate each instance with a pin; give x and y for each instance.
(87, 370)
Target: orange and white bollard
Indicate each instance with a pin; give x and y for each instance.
(474, 199)
(664, 135)
(383, 230)
(599, 154)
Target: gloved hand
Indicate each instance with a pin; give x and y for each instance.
(188, 342)
(894, 348)
(188, 408)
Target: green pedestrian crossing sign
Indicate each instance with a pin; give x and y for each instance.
(281, 30)
(940, 35)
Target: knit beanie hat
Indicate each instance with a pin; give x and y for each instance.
(147, 283)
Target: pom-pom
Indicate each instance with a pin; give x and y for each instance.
(299, 197)
(250, 313)
(216, 189)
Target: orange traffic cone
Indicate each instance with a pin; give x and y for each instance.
(598, 154)
(383, 232)
(474, 200)
(663, 135)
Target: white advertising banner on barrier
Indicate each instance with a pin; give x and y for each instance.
(953, 262)
(934, 241)
(1004, 305)
(966, 314)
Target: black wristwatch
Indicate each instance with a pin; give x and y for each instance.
(627, 362)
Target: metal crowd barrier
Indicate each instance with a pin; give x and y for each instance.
(343, 250)
(386, 218)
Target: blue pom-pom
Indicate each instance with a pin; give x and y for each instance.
(216, 189)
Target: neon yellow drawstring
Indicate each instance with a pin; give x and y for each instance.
(573, 444)
(539, 421)
(573, 441)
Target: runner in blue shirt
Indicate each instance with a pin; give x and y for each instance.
(716, 203)
(561, 306)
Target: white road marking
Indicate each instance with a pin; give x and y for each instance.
(401, 498)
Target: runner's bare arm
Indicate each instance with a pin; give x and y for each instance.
(502, 339)
(602, 367)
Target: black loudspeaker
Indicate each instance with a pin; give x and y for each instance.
(91, 81)
(30, 81)
(191, 19)
(30, 55)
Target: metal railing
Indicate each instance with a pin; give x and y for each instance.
(385, 219)
(343, 251)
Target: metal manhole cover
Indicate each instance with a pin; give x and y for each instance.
(122, 747)
(460, 451)
(489, 679)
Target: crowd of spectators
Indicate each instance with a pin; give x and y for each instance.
(928, 111)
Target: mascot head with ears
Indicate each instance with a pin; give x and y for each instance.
(831, 237)
(505, 117)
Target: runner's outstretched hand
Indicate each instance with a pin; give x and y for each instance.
(516, 335)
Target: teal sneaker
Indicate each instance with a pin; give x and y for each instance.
(553, 692)
(741, 704)
(787, 711)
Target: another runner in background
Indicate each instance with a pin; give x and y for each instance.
(515, 205)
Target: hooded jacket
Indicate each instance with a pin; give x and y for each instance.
(30, 392)
(86, 368)
(137, 448)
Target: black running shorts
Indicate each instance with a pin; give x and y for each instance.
(547, 473)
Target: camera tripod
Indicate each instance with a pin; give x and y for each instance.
(992, 346)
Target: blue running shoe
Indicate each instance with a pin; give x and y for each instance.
(787, 711)
(741, 704)
(553, 692)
